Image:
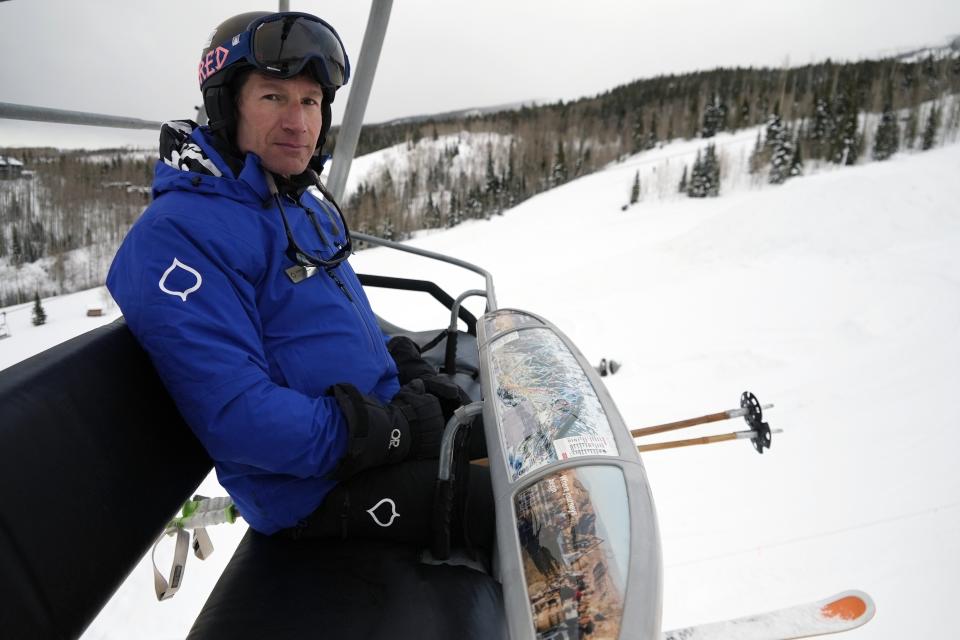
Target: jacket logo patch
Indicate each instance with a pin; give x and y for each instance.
(177, 280)
(393, 512)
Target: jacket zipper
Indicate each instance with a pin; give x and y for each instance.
(333, 276)
(356, 307)
(342, 287)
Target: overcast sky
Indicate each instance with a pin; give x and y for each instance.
(135, 58)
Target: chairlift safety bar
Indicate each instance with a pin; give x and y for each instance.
(488, 278)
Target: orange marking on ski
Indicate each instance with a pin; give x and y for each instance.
(848, 608)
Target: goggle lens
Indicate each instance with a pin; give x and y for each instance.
(283, 47)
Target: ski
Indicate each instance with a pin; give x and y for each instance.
(842, 612)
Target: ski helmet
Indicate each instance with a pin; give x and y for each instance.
(282, 45)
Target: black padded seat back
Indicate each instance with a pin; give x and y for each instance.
(94, 461)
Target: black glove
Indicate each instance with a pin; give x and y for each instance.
(410, 426)
(411, 366)
(424, 414)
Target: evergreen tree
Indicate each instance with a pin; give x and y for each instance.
(796, 163)
(930, 131)
(652, 138)
(744, 115)
(16, 251)
(492, 185)
(705, 178)
(695, 185)
(712, 171)
(683, 181)
(774, 128)
(558, 174)
(714, 117)
(639, 136)
(910, 129)
(887, 139)
(39, 315)
(456, 215)
(845, 142)
(475, 204)
(821, 128)
(782, 158)
(432, 217)
(635, 189)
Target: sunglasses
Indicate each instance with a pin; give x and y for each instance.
(301, 256)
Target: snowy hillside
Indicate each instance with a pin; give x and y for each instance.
(835, 297)
(469, 151)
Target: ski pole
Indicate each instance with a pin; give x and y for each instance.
(746, 409)
(197, 514)
(674, 444)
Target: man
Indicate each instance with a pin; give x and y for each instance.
(235, 282)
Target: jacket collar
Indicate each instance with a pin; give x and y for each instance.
(192, 160)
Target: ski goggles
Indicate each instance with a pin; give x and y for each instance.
(283, 45)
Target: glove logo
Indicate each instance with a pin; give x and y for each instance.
(394, 439)
(182, 294)
(393, 512)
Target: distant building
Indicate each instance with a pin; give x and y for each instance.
(10, 168)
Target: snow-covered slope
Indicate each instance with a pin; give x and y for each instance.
(835, 296)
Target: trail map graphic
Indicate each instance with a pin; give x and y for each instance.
(545, 404)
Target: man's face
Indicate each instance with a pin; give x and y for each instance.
(279, 120)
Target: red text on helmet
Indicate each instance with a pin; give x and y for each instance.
(212, 62)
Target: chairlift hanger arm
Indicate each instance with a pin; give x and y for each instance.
(366, 68)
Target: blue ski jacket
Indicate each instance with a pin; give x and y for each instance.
(245, 350)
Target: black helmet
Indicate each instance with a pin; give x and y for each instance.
(277, 44)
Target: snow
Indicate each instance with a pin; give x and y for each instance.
(835, 296)
(66, 318)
